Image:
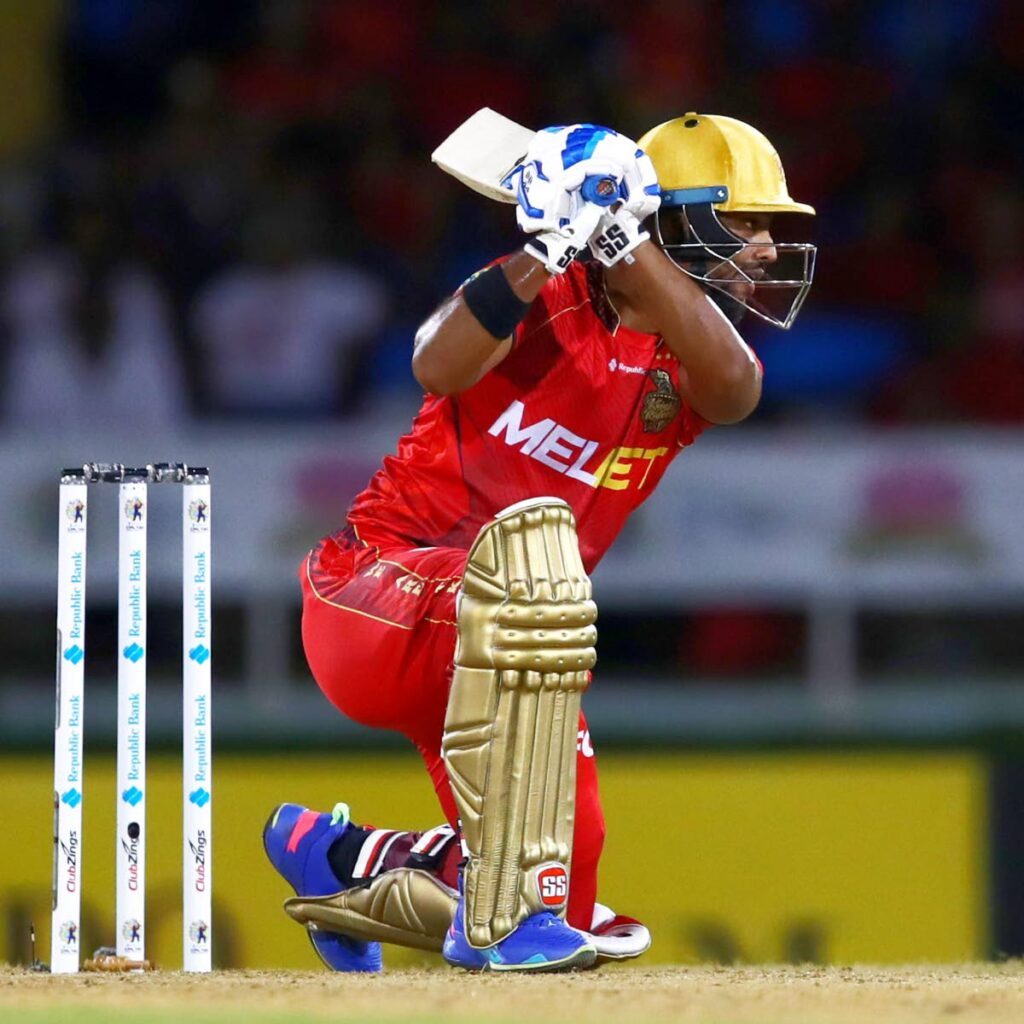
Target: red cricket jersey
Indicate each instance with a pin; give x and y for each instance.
(582, 408)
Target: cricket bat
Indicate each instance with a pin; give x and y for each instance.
(482, 151)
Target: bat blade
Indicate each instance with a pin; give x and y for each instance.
(482, 150)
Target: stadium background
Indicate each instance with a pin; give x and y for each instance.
(220, 228)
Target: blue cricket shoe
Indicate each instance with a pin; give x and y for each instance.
(542, 942)
(297, 840)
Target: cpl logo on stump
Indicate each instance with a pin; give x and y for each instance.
(199, 515)
(133, 514)
(74, 511)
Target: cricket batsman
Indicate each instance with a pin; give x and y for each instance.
(454, 604)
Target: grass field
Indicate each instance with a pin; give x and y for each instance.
(703, 995)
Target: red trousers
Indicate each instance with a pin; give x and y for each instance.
(378, 628)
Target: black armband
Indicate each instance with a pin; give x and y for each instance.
(491, 300)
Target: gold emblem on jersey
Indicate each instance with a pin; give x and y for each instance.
(661, 406)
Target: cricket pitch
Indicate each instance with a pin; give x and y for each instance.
(968, 993)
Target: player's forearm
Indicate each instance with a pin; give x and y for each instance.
(723, 379)
(453, 349)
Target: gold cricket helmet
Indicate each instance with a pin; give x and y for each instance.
(709, 164)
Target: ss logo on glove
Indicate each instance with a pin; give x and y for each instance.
(613, 241)
(567, 257)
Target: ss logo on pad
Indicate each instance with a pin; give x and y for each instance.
(553, 885)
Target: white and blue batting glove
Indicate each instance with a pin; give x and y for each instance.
(558, 248)
(621, 229)
(565, 167)
(567, 180)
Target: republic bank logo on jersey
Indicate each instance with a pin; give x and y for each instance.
(614, 364)
(565, 452)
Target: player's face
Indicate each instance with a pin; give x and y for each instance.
(764, 262)
(750, 265)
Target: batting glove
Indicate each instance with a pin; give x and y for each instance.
(569, 178)
(564, 167)
(617, 235)
(620, 230)
(641, 193)
(556, 249)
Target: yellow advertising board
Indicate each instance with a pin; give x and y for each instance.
(830, 857)
(29, 37)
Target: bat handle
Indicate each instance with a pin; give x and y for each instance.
(600, 190)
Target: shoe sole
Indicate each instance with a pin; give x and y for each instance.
(578, 961)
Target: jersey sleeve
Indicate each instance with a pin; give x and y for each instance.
(691, 426)
(487, 266)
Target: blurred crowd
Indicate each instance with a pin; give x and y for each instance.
(227, 210)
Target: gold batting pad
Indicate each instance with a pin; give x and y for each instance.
(406, 906)
(522, 661)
